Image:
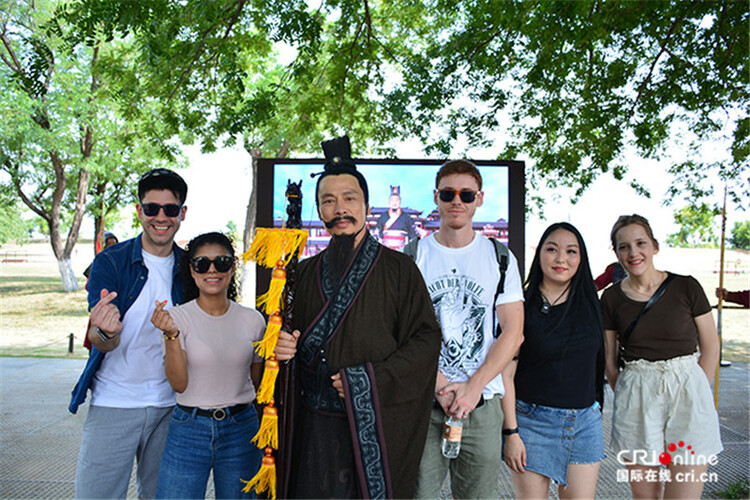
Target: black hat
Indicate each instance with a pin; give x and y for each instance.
(162, 178)
(338, 153)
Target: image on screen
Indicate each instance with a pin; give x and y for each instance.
(402, 202)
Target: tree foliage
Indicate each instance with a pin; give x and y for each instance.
(569, 84)
(61, 136)
(12, 224)
(741, 235)
(215, 70)
(696, 224)
(573, 83)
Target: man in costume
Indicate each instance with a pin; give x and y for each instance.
(469, 287)
(365, 361)
(131, 400)
(395, 219)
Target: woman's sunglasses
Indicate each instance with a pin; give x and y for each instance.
(152, 209)
(466, 195)
(222, 264)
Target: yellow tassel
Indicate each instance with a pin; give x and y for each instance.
(273, 244)
(265, 479)
(271, 300)
(267, 345)
(268, 435)
(268, 384)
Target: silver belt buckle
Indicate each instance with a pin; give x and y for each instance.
(219, 414)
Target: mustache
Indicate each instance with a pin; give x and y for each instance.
(336, 220)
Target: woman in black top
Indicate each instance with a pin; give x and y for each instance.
(559, 376)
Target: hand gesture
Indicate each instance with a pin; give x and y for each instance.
(515, 453)
(286, 346)
(163, 320)
(105, 315)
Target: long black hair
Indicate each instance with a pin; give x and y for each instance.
(582, 294)
(215, 238)
(582, 285)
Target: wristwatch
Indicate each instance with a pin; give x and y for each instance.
(103, 336)
(508, 432)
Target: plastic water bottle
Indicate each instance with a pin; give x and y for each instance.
(452, 437)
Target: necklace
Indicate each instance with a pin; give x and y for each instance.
(546, 305)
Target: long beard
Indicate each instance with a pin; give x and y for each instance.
(339, 253)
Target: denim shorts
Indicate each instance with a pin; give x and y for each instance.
(556, 437)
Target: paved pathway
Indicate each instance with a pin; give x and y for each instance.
(39, 439)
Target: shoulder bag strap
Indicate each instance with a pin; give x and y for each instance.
(654, 298)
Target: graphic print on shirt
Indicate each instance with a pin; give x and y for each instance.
(457, 300)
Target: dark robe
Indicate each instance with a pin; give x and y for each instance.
(384, 340)
(402, 223)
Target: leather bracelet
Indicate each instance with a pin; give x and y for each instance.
(167, 337)
(508, 432)
(103, 336)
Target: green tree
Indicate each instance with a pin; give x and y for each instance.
(573, 83)
(215, 70)
(568, 84)
(12, 224)
(60, 130)
(696, 226)
(741, 235)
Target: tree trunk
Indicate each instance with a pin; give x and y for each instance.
(252, 203)
(101, 190)
(69, 280)
(247, 283)
(62, 254)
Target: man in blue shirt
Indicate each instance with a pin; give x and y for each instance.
(131, 399)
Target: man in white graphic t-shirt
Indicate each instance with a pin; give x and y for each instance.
(462, 274)
(131, 399)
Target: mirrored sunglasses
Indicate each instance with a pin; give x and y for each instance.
(152, 209)
(466, 195)
(222, 264)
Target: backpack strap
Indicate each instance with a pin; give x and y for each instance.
(501, 253)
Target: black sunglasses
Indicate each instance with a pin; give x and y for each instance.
(152, 209)
(222, 264)
(466, 195)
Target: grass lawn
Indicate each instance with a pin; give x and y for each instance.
(36, 315)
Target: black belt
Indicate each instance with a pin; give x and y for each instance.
(216, 413)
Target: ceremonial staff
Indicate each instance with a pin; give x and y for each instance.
(278, 249)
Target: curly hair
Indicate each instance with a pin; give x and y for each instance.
(214, 238)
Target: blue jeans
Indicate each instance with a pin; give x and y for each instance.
(197, 444)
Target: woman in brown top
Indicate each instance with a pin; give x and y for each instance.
(664, 412)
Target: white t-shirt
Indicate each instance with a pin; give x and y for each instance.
(462, 283)
(132, 376)
(219, 354)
